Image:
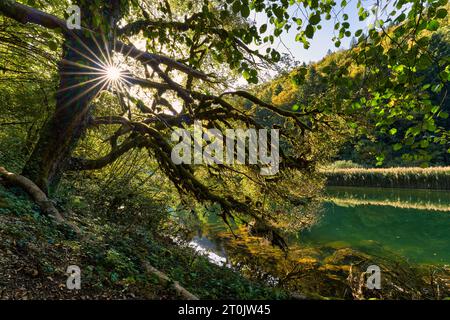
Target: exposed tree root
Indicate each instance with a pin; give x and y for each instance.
(35, 193)
(39, 197)
(49, 209)
(166, 280)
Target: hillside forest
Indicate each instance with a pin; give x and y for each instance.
(95, 96)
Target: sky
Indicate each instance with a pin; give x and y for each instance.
(322, 39)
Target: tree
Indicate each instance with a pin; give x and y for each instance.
(192, 51)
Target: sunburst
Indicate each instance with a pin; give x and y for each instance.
(113, 73)
(105, 72)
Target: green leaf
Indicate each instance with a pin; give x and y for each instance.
(397, 146)
(441, 13)
(380, 160)
(424, 144)
(393, 131)
(433, 25)
(263, 28)
(245, 11)
(53, 45)
(303, 71)
(309, 31)
(401, 18)
(236, 6)
(429, 125)
(314, 19)
(437, 88)
(443, 115)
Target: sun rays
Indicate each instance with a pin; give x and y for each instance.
(102, 70)
(113, 73)
(102, 66)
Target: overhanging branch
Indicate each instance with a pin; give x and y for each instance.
(76, 164)
(25, 14)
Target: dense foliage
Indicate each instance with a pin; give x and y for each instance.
(98, 143)
(385, 137)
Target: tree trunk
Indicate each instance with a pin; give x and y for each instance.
(61, 133)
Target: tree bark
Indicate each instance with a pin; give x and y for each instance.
(35, 193)
(60, 134)
(185, 294)
(82, 51)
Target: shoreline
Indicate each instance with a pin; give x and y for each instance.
(434, 178)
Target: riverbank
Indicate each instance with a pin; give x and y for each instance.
(435, 178)
(35, 254)
(113, 258)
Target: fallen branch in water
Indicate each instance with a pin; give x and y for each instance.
(166, 280)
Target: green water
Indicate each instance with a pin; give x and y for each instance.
(418, 235)
(411, 224)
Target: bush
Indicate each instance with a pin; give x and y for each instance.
(344, 164)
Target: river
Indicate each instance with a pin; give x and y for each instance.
(411, 224)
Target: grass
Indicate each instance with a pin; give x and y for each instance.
(395, 204)
(436, 178)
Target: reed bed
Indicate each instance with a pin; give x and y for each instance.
(436, 178)
(396, 204)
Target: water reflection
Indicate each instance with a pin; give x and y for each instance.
(397, 229)
(427, 200)
(374, 221)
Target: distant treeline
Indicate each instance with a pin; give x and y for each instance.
(318, 85)
(437, 178)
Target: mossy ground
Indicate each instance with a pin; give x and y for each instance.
(35, 254)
